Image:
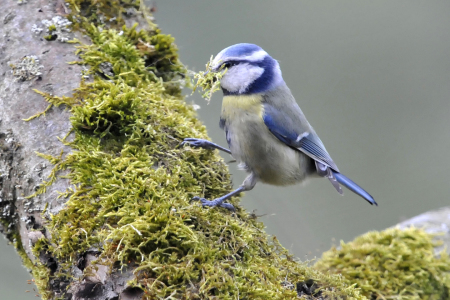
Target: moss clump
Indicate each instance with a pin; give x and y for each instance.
(392, 264)
(132, 183)
(100, 12)
(209, 81)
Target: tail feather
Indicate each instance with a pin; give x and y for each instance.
(348, 183)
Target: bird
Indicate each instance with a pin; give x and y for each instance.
(266, 131)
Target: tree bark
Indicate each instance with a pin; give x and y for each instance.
(22, 172)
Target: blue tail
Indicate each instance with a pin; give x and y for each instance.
(348, 183)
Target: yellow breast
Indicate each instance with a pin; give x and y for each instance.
(233, 106)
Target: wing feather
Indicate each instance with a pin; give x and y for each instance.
(283, 127)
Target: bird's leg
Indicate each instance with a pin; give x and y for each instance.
(205, 144)
(247, 185)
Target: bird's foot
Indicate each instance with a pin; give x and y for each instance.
(205, 144)
(215, 202)
(199, 143)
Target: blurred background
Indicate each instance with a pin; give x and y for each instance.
(372, 77)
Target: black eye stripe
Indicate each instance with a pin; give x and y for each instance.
(229, 64)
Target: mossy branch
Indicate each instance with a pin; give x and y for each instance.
(133, 184)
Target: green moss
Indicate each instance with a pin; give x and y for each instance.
(102, 11)
(132, 183)
(40, 272)
(392, 264)
(49, 37)
(209, 81)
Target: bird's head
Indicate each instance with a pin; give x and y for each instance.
(250, 70)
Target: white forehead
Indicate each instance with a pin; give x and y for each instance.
(255, 56)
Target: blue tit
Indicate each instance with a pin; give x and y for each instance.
(266, 131)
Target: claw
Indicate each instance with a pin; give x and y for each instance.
(205, 144)
(198, 143)
(188, 141)
(214, 203)
(228, 206)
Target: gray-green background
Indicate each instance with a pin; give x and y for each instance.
(372, 77)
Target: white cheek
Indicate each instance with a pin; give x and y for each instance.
(240, 77)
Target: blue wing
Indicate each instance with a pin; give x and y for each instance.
(307, 141)
(288, 132)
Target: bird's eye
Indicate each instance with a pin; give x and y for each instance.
(228, 65)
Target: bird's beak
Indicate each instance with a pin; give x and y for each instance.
(210, 70)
